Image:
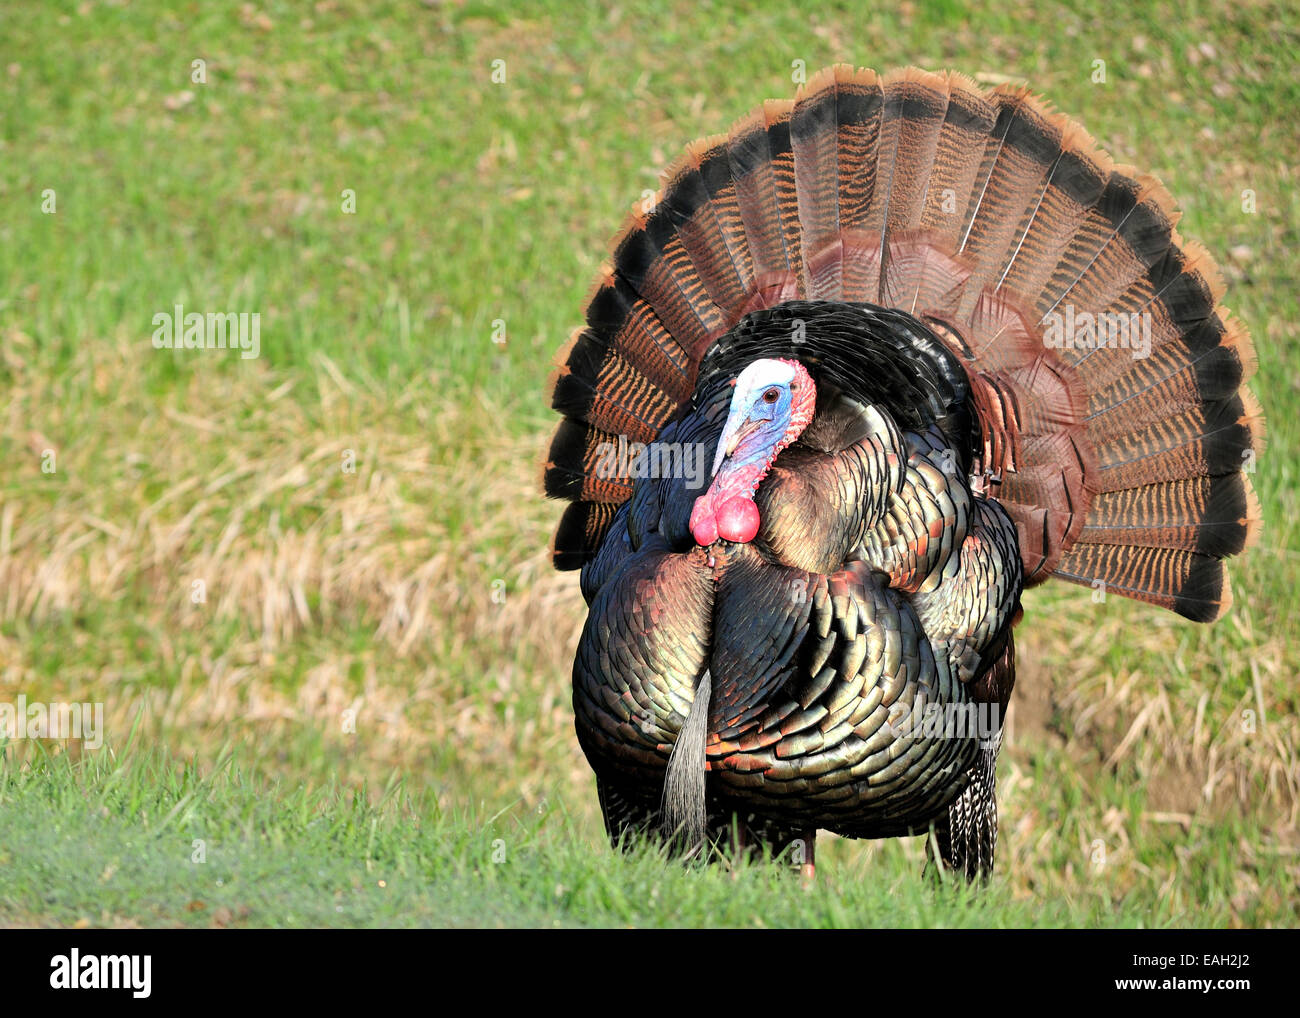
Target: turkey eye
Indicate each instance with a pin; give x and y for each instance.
(771, 396)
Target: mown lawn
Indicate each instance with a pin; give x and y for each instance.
(311, 588)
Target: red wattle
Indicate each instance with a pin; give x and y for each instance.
(737, 520)
(704, 525)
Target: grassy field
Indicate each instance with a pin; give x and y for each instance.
(311, 590)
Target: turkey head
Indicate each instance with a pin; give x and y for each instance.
(772, 405)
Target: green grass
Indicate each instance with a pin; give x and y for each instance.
(375, 595)
(146, 840)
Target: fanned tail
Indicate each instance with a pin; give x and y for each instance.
(1118, 431)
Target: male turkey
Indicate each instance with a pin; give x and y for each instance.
(871, 363)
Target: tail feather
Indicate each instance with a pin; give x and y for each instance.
(1193, 585)
(859, 106)
(1001, 224)
(573, 471)
(716, 219)
(620, 321)
(1083, 255)
(758, 152)
(968, 118)
(654, 263)
(610, 393)
(1168, 382)
(912, 119)
(1203, 441)
(1216, 516)
(583, 525)
(1074, 185)
(1019, 154)
(686, 202)
(814, 124)
(1132, 239)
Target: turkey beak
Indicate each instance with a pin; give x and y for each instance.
(731, 439)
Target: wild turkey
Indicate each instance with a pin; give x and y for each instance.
(887, 315)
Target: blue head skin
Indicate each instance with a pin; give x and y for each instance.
(774, 401)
